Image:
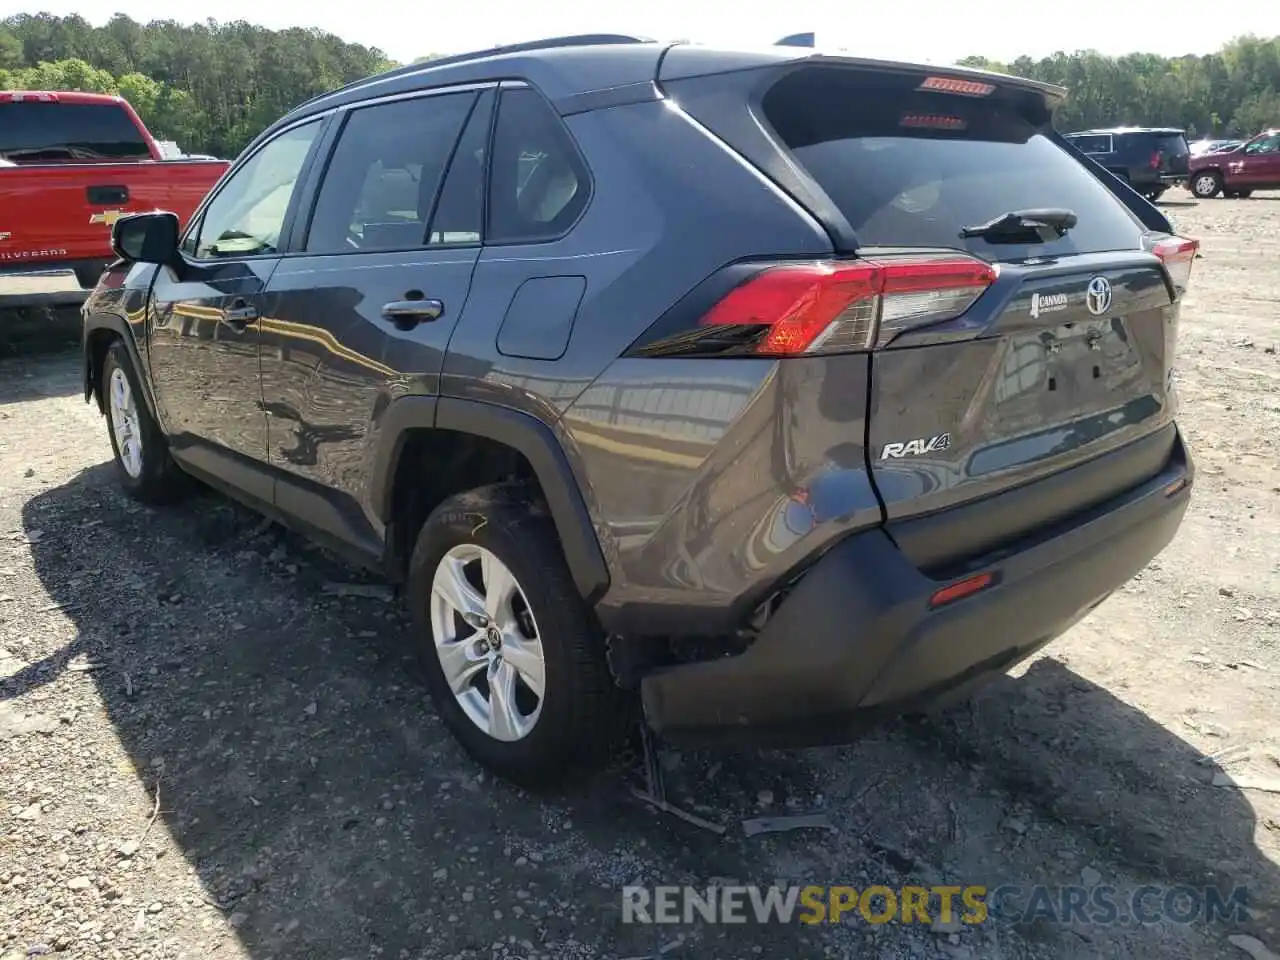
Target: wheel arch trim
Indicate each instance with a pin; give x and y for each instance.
(526, 434)
(95, 322)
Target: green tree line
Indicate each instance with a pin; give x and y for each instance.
(1233, 92)
(212, 87)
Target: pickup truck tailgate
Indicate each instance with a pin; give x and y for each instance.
(59, 212)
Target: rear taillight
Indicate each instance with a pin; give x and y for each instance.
(1155, 160)
(1177, 254)
(831, 307)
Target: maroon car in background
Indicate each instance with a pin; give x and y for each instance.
(1254, 165)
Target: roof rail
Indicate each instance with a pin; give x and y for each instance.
(573, 40)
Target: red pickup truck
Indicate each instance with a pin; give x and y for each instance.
(1254, 165)
(70, 165)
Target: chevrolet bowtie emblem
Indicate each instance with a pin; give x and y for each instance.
(109, 217)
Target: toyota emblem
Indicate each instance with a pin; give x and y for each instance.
(1098, 296)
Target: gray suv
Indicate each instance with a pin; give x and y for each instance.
(769, 393)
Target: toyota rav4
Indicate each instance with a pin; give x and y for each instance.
(773, 392)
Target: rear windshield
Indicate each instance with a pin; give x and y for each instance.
(908, 168)
(38, 132)
(1172, 144)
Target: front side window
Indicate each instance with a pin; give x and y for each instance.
(1265, 145)
(247, 216)
(381, 184)
(538, 183)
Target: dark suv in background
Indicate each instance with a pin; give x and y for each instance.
(1149, 159)
(776, 392)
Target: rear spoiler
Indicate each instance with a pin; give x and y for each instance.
(684, 61)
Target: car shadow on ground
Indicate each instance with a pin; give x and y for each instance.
(27, 332)
(27, 376)
(327, 813)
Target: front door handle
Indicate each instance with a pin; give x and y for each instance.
(239, 315)
(407, 314)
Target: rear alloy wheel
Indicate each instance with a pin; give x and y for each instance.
(513, 657)
(487, 643)
(1206, 185)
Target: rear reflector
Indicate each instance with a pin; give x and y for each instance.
(830, 307)
(1177, 254)
(966, 88)
(961, 589)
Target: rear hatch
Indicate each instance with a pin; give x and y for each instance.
(1171, 154)
(1000, 357)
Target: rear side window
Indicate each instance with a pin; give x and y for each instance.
(459, 212)
(538, 183)
(910, 168)
(37, 132)
(381, 183)
(1091, 143)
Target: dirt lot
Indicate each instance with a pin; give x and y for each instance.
(203, 754)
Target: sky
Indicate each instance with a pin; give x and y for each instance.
(930, 31)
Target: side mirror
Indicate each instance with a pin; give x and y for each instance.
(146, 238)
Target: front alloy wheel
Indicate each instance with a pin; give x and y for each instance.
(1206, 185)
(122, 408)
(487, 641)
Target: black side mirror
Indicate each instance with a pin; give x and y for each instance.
(146, 238)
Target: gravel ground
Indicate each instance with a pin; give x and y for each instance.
(204, 754)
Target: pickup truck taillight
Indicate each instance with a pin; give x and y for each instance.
(1177, 254)
(797, 309)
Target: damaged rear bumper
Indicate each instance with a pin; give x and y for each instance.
(858, 640)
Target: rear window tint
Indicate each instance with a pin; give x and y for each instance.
(912, 169)
(1172, 145)
(36, 132)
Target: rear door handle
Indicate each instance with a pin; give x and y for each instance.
(407, 314)
(239, 315)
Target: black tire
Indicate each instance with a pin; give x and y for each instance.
(1206, 185)
(159, 480)
(583, 713)
(1244, 194)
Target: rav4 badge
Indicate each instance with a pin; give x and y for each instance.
(915, 448)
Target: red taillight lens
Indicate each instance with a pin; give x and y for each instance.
(1177, 254)
(830, 308)
(1155, 160)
